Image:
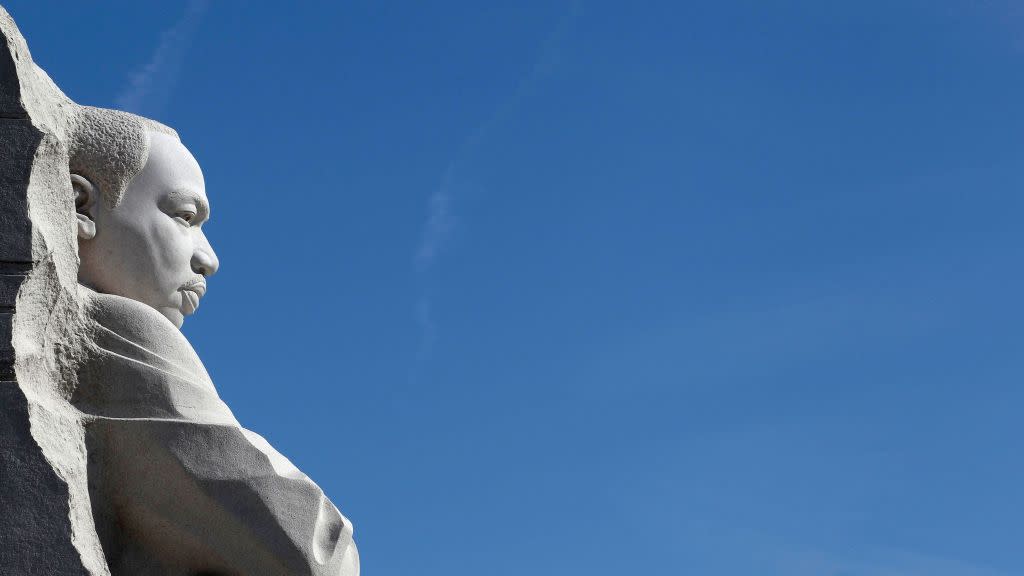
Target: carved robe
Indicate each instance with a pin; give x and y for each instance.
(178, 487)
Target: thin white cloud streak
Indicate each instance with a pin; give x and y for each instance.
(439, 222)
(441, 217)
(150, 87)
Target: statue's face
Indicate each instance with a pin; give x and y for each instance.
(151, 247)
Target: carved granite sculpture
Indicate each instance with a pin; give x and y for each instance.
(117, 456)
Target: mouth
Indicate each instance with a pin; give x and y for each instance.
(191, 292)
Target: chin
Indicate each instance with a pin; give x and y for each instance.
(174, 315)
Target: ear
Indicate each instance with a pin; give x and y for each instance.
(85, 203)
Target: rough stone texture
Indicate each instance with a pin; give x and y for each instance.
(10, 89)
(33, 503)
(20, 140)
(117, 456)
(226, 501)
(44, 507)
(6, 346)
(116, 150)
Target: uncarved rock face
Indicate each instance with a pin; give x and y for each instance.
(151, 247)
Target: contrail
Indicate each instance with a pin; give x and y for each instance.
(150, 87)
(441, 216)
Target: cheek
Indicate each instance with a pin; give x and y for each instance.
(170, 246)
(155, 251)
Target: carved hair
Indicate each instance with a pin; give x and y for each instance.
(110, 147)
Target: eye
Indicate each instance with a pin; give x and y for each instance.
(186, 216)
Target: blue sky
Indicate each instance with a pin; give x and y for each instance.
(659, 288)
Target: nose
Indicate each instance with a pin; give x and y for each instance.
(204, 259)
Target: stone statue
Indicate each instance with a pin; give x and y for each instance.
(152, 472)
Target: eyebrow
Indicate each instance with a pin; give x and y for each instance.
(187, 193)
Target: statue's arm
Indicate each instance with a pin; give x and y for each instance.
(216, 498)
(175, 480)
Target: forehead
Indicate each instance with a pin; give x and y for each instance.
(170, 169)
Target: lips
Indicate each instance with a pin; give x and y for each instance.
(191, 292)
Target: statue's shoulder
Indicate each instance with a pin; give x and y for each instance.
(139, 365)
(135, 330)
(127, 317)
